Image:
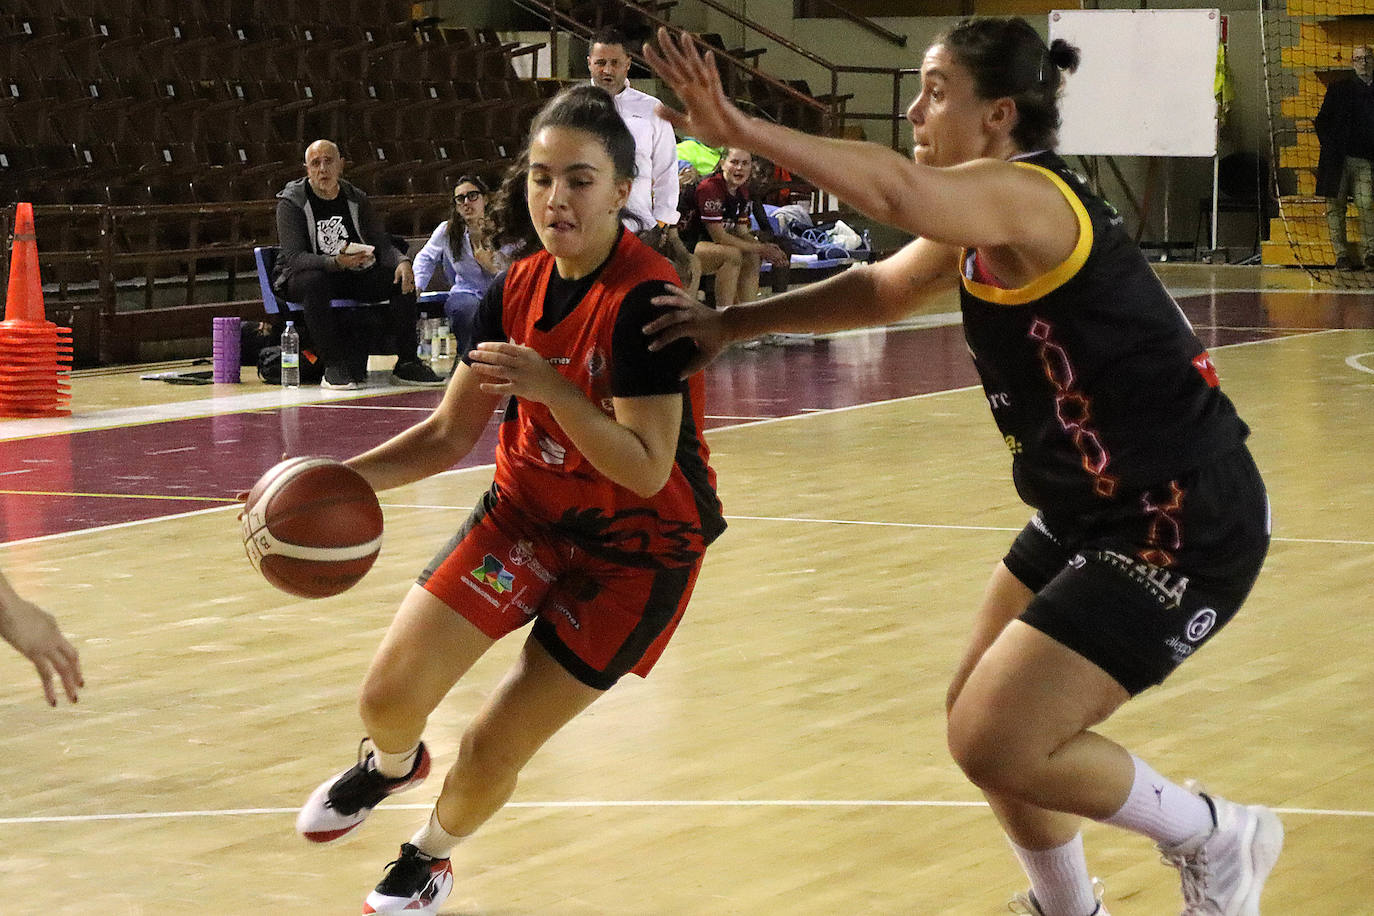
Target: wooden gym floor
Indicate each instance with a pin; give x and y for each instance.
(786, 758)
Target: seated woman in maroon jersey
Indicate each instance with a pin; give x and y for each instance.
(718, 232)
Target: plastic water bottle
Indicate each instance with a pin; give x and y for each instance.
(290, 357)
(422, 337)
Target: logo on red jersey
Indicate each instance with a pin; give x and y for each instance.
(1205, 368)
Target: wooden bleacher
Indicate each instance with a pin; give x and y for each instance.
(152, 135)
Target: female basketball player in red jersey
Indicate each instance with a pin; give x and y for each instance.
(1151, 521)
(594, 528)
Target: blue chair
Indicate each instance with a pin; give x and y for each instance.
(266, 259)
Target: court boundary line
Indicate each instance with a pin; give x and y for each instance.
(438, 507)
(572, 804)
(1353, 361)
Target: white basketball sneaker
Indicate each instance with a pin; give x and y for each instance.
(1026, 904)
(344, 801)
(1225, 873)
(415, 884)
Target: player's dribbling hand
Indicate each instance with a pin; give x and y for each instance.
(684, 317)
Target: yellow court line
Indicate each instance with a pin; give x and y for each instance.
(212, 499)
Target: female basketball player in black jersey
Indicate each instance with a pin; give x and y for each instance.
(1151, 519)
(595, 525)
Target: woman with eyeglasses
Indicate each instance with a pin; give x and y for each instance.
(462, 251)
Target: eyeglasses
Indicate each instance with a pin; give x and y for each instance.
(467, 198)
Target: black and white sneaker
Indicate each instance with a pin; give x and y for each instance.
(415, 372)
(338, 378)
(414, 884)
(344, 801)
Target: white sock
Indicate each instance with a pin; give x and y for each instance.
(1059, 878)
(394, 766)
(1162, 810)
(433, 840)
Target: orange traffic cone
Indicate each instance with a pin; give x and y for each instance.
(35, 354)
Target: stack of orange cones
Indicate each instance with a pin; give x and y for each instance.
(35, 354)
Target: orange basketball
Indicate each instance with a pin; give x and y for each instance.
(312, 527)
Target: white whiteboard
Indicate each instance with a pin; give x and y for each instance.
(1144, 85)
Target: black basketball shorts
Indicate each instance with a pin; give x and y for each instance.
(1137, 588)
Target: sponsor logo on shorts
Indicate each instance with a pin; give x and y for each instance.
(494, 575)
(1038, 523)
(560, 608)
(522, 554)
(1164, 586)
(1181, 649)
(1201, 624)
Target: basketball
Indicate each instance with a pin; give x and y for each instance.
(312, 527)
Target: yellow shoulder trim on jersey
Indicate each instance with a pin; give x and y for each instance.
(1046, 283)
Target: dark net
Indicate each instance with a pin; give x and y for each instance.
(1311, 46)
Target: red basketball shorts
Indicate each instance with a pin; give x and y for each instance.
(598, 618)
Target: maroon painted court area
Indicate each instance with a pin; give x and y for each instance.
(85, 479)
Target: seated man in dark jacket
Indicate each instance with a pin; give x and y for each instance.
(334, 246)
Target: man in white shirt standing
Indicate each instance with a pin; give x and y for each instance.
(654, 194)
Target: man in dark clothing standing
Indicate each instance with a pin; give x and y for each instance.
(1345, 129)
(334, 246)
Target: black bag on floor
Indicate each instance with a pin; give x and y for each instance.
(269, 367)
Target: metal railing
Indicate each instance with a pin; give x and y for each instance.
(831, 106)
(864, 22)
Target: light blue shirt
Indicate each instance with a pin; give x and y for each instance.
(463, 274)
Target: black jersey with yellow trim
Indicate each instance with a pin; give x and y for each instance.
(1095, 378)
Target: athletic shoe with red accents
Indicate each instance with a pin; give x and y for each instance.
(344, 801)
(414, 884)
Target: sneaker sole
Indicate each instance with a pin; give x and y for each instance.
(1265, 840)
(413, 908)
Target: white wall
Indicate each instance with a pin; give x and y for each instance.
(842, 42)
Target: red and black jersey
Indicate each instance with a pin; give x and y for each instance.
(589, 330)
(716, 203)
(1096, 380)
